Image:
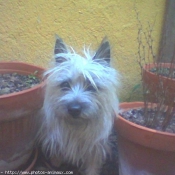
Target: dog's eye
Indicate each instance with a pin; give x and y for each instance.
(65, 86)
(91, 88)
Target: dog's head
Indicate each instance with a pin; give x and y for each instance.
(81, 88)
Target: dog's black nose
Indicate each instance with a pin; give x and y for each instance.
(74, 109)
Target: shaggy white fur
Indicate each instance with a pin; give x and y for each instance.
(79, 107)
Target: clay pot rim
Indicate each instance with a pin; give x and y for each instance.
(20, 62)
(151, 65)
(41, 84)
(148, 66)
(141, 104)
(141, 135)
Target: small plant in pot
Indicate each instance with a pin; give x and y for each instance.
(158, 76)
(21, 96)
(146, 130)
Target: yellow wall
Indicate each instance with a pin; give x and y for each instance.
(28, 26)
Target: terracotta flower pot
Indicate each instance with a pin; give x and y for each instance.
(143, 151)
(18, 118)
(157, 85)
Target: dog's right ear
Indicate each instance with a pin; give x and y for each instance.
(103, 51)
(60, 47)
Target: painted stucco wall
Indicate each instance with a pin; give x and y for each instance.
(27, 30)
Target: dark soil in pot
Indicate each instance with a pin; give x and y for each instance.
(164, 71)
(137, 116)
(14, 82)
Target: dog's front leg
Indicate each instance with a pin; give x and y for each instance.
(93, 165)
(56, 161)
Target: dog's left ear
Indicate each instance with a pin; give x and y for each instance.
(103, 51)
(60, 47)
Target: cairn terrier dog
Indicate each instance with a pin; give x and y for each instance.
(79, 107)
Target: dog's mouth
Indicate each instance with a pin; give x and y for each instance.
(78, 116)
(75, 116)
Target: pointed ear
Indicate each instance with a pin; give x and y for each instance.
(103, 51)
(60, 47)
